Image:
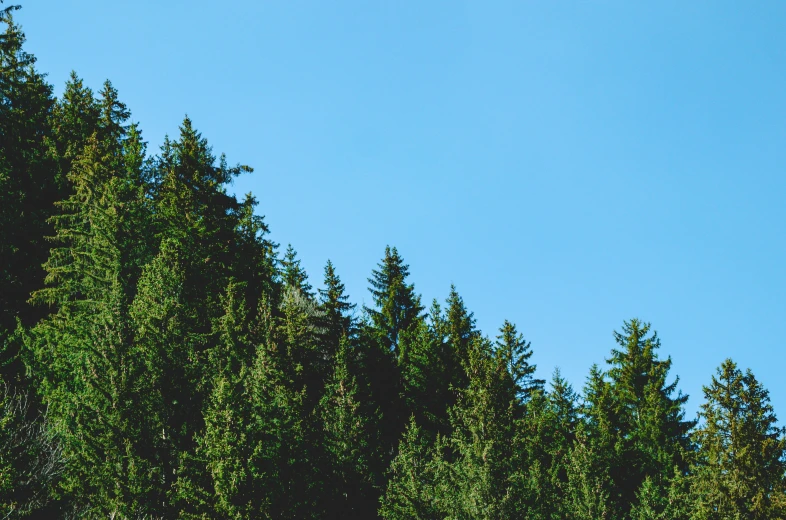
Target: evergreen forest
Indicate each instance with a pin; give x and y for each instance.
(162, 357)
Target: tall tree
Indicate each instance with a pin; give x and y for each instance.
(86, 361)
(397, 306)
(545, 438)
(516, 351)
(349, 440)
(336, 306)
(636, 416)
(29, 186)
(742, 454)
(410, 492)
(293, 274)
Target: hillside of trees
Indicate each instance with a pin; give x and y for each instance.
(161, 357)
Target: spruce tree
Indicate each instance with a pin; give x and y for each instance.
(476, 467)
(292, 274)
(635, 417)
(336, 306)
(742, 452)
(86, 360)
(545, 437)
(397, 306)
(29, 186)
(410, 492)
(348, 439)
(380, 343)
(516, 351)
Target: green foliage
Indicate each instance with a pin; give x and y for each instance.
(516, 352)
(349, 435)
(292, 274)
(397, 305)
(410, 490)
(631, 419)
(168, 364)
(742, 455)
(29, 187)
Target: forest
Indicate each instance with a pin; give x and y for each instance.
(162, 357)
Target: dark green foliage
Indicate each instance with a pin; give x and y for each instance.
(292, 274)
(397, 305)
(410, 490)
(29, 187)
(349, 435)
(338, 310)
(168, 364)
(742, 455)
(545, 438)
(631, 419)
(516, 353)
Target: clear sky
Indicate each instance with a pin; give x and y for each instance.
(567, 165)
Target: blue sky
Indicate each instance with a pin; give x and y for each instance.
(567, 165)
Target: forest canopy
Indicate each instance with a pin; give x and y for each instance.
(162, 357)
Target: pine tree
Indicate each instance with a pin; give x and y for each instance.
(168, 348)
(476, 467)
(380, 345)
(29, 186)
(742, 451)
(635, 416)
(516, 351)
(85, 355)
(588, 494)
(410, 492)
(335, 304)
(75, 119)
(397, 305)
(292, 274)
(545, 437)
(459, 328)
(348, 443)
(425, 387)
(193, 208)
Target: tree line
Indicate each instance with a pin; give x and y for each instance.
(161, 357)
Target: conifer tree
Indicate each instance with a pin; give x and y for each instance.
(588, 494)
(634, 417)
(85, 355)
(425, 386)
(742, 451)
(75, 119)
(193, 208)
(336, 306)
(459, 328)
(545, 438)
(410, 492)
(397, 305)
(29, 186)
(348, 443)
(395, 314)
(169, 349)
(516, 351)
(285, 481)
(292, 274)
(476, 466)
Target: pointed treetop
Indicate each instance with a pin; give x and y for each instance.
(397, 305)
(293, 274)
(516, 352)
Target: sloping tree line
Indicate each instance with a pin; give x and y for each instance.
(161, 359)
